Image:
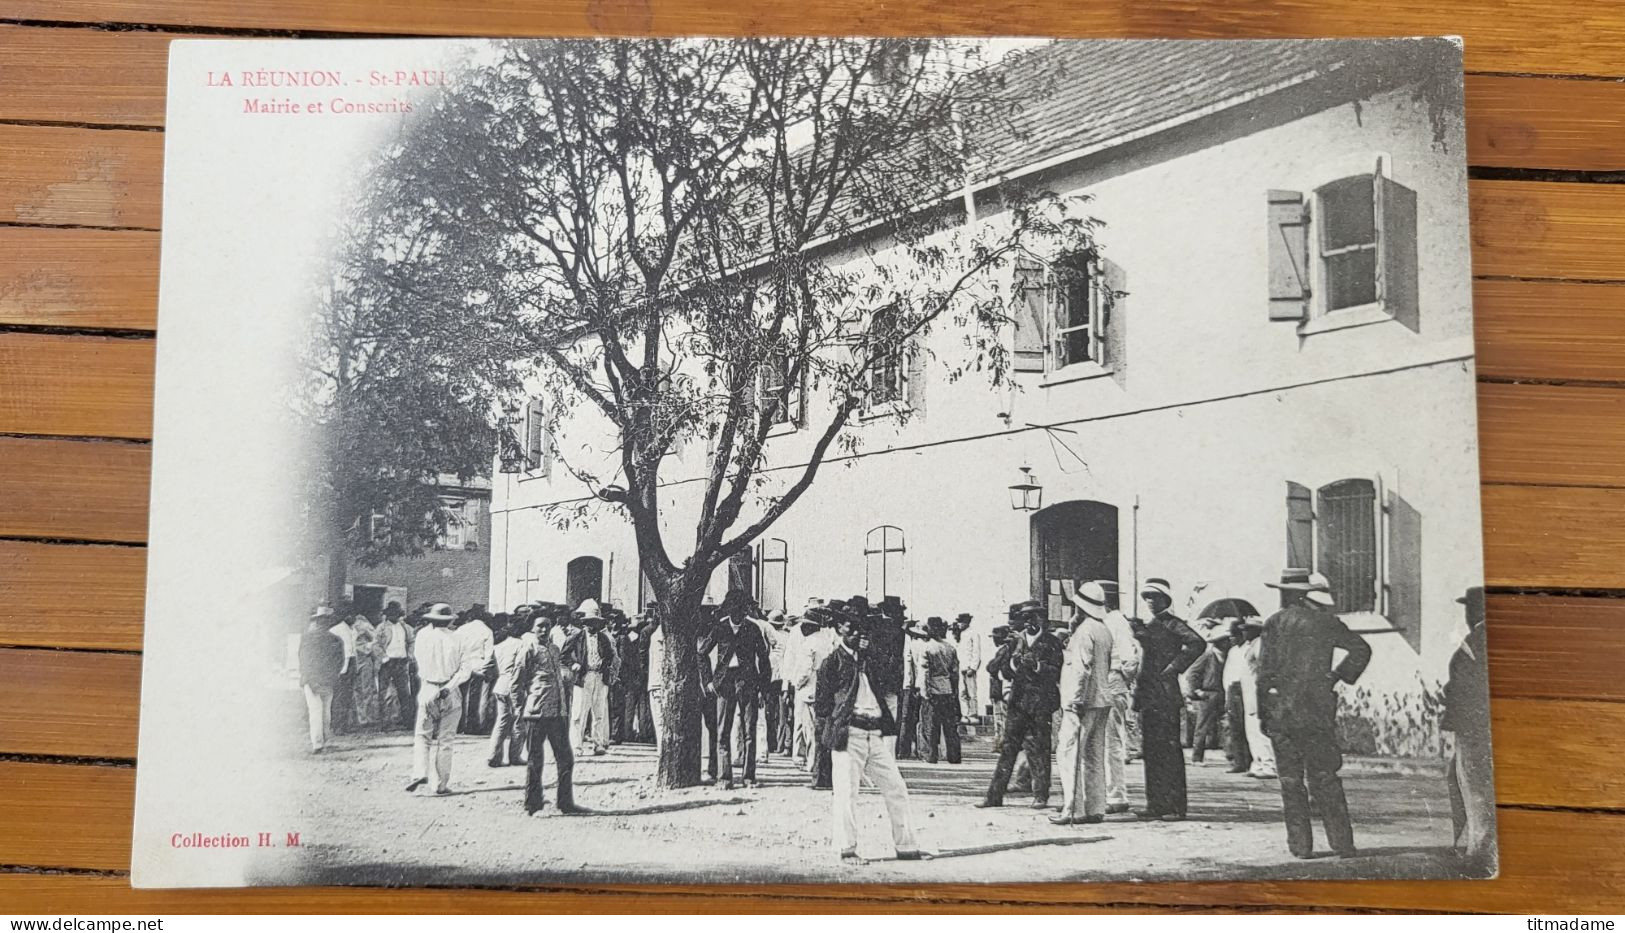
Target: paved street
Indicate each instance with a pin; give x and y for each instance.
(361, 828)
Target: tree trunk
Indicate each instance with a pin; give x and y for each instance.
(338, 569)
(682, 738)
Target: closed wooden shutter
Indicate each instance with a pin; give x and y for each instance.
(535, 435)
(1288, 256)
(1115, 320)
(1031, 302)
(1300, 527)
(914, 378)
(1396, 243)
(1404, 584)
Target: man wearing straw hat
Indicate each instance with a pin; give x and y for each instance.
(1092, 600)
(1298, 707)
(1086, 708)
(1168, 647)
(443, 667)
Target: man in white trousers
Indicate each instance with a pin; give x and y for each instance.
(1086, 708)
(968, 647)
(1092, 599)
(859, 729)
(444, 665)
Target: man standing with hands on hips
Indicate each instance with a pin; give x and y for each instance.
(856, 725)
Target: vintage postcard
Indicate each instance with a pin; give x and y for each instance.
(829, 459)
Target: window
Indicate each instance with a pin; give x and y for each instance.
(1348, 242)
(1346, 541)
(887, 371)
(1079, 325)
(1367, 541)
(772, 574)
(583, 579)
(454, 536)
(538, 443)
(1345, 254)
(885, 557)
(1070, 313)
(777, 392)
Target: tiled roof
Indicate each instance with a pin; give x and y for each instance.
(1071, 95)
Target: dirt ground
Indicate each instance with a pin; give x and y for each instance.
(360, 827)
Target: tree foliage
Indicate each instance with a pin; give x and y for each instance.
(659, 223)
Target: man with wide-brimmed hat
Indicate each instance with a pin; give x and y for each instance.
(590, 657)
(969, 652)
(909, 698)
(1206, 682)
(735, 666)
(443, 667)
(1096, 600)
(1298, 707)
(1471, 774)
(321, 658)
(817, 640)
(1033, 669)
(939, 693)
(1086, 711)
(1167, 649)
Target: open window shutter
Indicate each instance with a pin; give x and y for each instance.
(1405, 570)
(1288, 255)
(533, 434)
(1396, 239)
(1115, 319)
(1300, 527)
(1029, 315)
(914, 384)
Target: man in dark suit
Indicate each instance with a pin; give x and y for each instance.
(1297, 703)
(856, 724)
(1032, 667)
(1471, 774)
(1168, 647)
(741, 673)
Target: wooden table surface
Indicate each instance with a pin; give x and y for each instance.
(81, 131)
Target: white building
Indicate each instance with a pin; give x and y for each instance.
(1288, 381)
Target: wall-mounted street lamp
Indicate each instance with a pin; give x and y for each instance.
(1027, 495)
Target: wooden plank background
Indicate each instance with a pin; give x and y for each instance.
(81, 117)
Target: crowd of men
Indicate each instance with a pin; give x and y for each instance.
(847, 688)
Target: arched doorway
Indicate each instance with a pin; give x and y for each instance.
(583, 579)
(1071, 541)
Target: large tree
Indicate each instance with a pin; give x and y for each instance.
(399, 385)
(675, 226)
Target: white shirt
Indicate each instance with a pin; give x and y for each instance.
(864, 704)
(1125, 647)
(443, 659)
(346, 634)
(1235, 666)
(395, 646)
(970, 653)
(476, 639)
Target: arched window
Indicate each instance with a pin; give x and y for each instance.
(772, 574)
(885, 563)
(583, 579)
(1346, 526)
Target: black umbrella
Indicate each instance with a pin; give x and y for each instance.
(1228, 608)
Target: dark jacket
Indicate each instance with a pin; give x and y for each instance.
(1206, 675)
(1168, 647)
(837, 691)
(321, 656)
(1467, 692)
(574, 653)
(747, 647)
(1295, 674)
(1034, 673)
(539, 682)
(887, 647)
